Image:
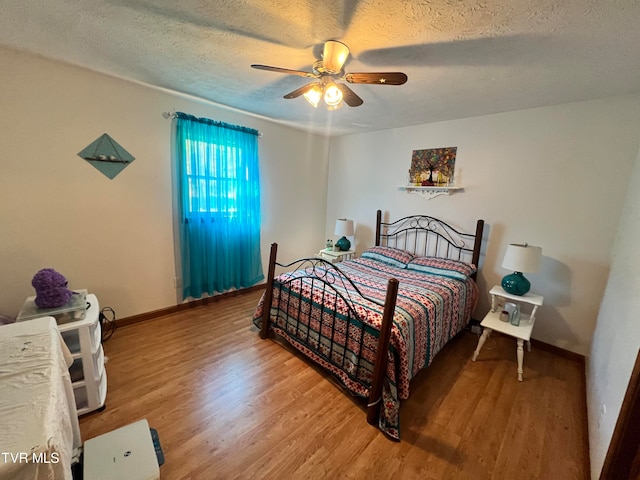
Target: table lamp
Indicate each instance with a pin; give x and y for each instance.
(344, 227)
(520, 258)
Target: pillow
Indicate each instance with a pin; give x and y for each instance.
(443, 267)
(390, 256)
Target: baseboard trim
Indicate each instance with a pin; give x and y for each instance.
(558, 351)
(561, 352)
(143, 317)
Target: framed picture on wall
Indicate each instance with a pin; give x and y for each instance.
(433, 166)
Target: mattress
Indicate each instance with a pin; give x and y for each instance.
(40, 431)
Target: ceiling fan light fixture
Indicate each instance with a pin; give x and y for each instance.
(313, 95)
(329, 69)
(334, 55)
(332, 94)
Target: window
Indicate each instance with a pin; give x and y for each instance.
(215, 173)
(219, 205)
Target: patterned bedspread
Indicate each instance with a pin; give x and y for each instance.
(430, 310)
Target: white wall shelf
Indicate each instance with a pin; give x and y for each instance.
(430, 192)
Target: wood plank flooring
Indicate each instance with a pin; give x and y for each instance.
(229, 405)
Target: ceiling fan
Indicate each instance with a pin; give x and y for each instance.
(327, 71)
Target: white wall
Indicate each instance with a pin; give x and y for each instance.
(616, 339)
(554, 177)
(115, 237)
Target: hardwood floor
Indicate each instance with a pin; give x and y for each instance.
(227, 404)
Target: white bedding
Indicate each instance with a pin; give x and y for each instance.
(39, 424)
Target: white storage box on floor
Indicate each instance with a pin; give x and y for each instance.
(123, 454)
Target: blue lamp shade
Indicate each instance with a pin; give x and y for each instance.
(521, 258)
(344, 228)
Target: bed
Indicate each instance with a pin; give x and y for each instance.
(40, 432)
(375, 321)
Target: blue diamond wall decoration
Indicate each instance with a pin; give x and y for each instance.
(107, 155)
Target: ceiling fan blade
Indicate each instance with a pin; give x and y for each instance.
(300, 73)
(381, 78)
(349, 96)
(300, 91)
(334, 55)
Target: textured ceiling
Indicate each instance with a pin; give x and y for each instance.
(463, 58)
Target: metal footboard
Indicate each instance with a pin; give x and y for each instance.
(320, 312)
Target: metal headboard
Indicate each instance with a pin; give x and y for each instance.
(428, 236)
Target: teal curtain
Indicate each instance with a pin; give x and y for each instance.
(218, 204)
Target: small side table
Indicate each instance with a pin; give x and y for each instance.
(337, 257)
(521, 332)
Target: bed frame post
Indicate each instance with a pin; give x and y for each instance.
(378, 222)
(382, 358)
(475, 259)
(268, 294)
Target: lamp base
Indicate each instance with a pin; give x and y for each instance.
(516, 284)
(343, 244)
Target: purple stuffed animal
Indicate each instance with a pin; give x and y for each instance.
(51, 289)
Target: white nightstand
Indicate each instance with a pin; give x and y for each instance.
(337, 257)
(521, 332)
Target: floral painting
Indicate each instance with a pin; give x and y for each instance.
(433, 166)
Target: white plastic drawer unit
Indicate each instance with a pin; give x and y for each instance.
(88, 375)
(85, 334)
(90, 396)
(82, 369)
